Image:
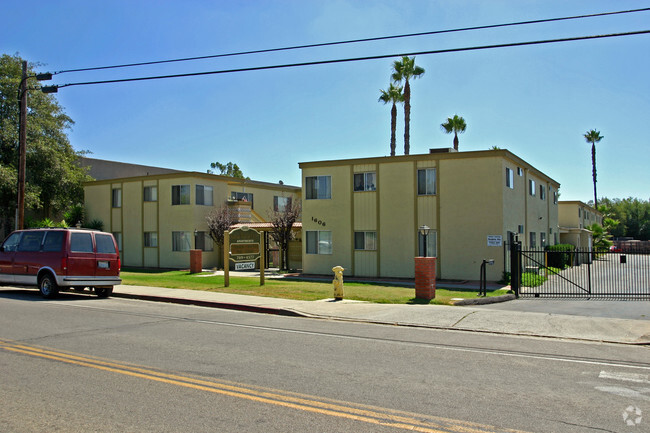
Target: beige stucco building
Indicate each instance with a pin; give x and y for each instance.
(158, 218)
(364, 214)
(574, 218)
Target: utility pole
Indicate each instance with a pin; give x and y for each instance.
(22, 149)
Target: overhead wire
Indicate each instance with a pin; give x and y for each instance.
(357, 59)
(352, 41)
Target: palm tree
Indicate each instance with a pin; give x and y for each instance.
(593, 137)
(456, 125)
(403, 70)
(394, 95)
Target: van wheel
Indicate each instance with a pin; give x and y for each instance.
(103, 292)
(47, 286)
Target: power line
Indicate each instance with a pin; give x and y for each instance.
(352, 41)
(357, 59)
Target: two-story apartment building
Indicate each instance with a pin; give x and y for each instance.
(158, 218)
(574, 218)
(364, 214)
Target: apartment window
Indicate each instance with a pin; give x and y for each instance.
(510, 178)
(365, 241)
(520, 229)
(150, 239)
(204, 195)
(318, 187)
(116, 200)
(204, 241)
(365, 181)
(180, 194)
(555, 238)
(427, 181)
(542, 239)
(533, 240)
(520, 172)
(242, 196)
(531, 187)
(280, 204)
(319, 242)
(542, 192)
(181, 241)
(150, 193)
(431, 247)
(118, 240)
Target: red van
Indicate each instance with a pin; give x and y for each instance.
(58, 257)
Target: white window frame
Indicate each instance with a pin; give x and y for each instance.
(183, 195)
(181, 241)
(281, 203)
(323, 239)
(510, 178)
(151, 239)
(150, 193)
(204, 195)
(365, 240)
(318, 187)
(366, 181)
(426, 181)
(116, 197)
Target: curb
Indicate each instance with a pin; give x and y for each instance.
(222, 305)
(486, 300)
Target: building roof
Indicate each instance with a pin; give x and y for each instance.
(432, 155)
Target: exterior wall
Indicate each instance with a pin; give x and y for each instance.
(471, 202)
(135, 216)
(576, 214)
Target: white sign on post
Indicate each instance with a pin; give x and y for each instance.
(494, 240)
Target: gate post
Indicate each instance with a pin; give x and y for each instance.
(515, 264)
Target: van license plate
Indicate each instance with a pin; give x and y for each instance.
(103, 264)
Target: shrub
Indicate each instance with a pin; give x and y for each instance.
(95, 225)
(559, 256)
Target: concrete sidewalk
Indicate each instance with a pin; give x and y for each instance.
(466, 318)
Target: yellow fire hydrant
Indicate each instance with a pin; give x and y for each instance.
(338, 282)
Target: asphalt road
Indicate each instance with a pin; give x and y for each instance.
(81, 363)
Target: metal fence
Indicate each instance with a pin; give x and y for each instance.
(582, 273)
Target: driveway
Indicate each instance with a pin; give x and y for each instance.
(635, 310)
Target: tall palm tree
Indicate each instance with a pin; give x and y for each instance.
(394, 95)
(456, 125)
(593, 137)
(404, 70)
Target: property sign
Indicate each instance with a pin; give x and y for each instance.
(245, 266)
(245, 245)
(494, 240)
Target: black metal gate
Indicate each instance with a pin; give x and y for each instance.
(579, 273)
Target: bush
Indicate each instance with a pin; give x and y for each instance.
(559, 256)
(95, 225)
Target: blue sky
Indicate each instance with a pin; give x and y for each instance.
(535, 101)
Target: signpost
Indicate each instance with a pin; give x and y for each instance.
(244, 247)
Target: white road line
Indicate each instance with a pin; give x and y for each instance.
(625, 377)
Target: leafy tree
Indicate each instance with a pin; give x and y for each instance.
(632, 214)
(593, 137)
(282, 221)
(392, 95)
(219, 221)
(404, 70)
(229, 169)
(456, 125)
(54, 181)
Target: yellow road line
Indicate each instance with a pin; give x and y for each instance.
(369, 414)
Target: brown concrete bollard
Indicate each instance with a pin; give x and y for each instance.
(425, 277)
(196, 261)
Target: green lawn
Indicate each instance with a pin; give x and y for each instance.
(300, 290)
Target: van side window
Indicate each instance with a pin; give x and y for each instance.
(53, 242)
(81, 243)
(105, 244)
(31, 241)
(11, 243)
